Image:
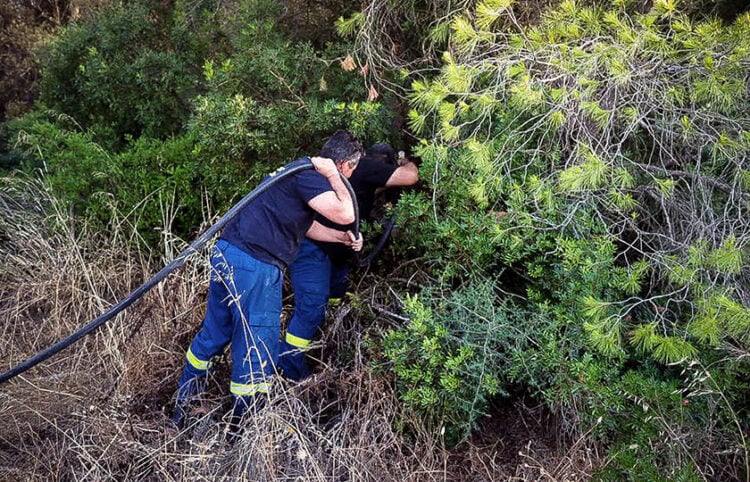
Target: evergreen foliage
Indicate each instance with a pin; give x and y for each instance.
(448, 364)
(132, 69)
(592, 164)
(583, 223)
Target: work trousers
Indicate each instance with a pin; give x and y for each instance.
(244, 309)
(314, 280)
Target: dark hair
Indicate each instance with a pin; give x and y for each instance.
(341, 146)
(381, 152)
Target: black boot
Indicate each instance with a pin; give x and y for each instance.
(235, 421)
(187, 396)
(293, 362)
(240, 407)
(180, 415)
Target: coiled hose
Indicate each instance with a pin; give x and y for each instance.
(197, 244)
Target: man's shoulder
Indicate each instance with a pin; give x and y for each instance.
(376, 164)
(373, 171)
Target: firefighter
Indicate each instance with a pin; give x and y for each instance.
(245, 290)
(320, 270)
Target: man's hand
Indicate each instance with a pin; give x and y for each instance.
(325, 166)
(355, 243)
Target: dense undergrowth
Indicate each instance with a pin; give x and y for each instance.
(98, 410)
(579, 242)
(586, 222)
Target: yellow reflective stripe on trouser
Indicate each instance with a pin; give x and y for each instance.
(242, 390)
(297, 341)
(196, 362)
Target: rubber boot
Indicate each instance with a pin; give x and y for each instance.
(186, 396)
(179, 415)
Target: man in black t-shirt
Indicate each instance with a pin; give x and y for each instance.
(244, 298)
(320, 270)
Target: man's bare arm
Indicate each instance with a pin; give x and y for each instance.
(335, 205)
(319, 232)
(405, 175)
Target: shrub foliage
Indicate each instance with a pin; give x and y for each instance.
(594, 165)
(199, 100)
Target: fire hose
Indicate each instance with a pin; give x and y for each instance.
(196, 245)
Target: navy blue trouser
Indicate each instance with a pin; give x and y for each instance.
(244, 309)
(314, 280)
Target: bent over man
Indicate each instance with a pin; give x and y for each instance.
(245, 291)
(320, 270)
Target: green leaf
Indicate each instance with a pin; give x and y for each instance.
(489, 11)
(666, 186)
(706, 328)
(348, 27)
(670, 349)
(439, 33)
(593, 308)
(634, 277)
(457, 78)
(727, 259)
(416, 121)
(643, 337)
(734, 316)
(465, 37)
(591, 174)
(605, 342)
(622, 178)
(596, 113)
(556, 119)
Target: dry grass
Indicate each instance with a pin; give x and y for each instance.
(96, 411)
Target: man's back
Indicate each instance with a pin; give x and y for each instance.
(271, 227)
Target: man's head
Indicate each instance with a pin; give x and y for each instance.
(345, 150)
(381, 152)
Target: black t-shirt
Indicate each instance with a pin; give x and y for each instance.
(369, 175)
(271, 227)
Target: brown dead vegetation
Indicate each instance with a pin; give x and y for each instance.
(97, 410)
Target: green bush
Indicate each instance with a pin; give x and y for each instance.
(297, 95)
(129, 69)
(194, 104)
(595, 164)
(448, 364)
(145, 178)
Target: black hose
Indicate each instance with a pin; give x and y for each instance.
(174, 264)
(389, 225)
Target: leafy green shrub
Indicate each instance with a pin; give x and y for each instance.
(668, 426)
(11, 154)
(128, 68)
(595, 163)
(449, 356)
(197, 100)
(97, 183)
(297, 95)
